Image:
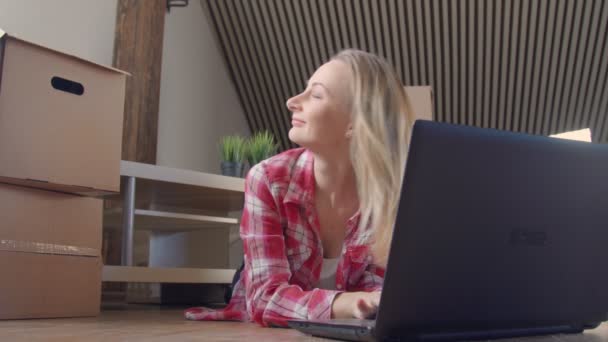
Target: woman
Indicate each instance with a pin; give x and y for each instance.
(318, 219)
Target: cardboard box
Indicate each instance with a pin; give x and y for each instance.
(61, 120)
(49, 254)
(421, 100)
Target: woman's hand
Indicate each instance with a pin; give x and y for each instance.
(361, 305)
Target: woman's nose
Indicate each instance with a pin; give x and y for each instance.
(292, 104)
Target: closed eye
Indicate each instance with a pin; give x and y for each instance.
(318, 89)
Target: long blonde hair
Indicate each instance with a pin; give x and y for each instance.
(382, 122)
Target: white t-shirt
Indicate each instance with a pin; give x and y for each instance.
(327, 279)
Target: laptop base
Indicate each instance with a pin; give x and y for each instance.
(347, 330)
(362, 330)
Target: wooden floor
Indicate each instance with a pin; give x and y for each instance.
(154, 324)
(145, 323)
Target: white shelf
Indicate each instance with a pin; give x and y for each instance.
(170, 187)
(164, 199)
(167, 275)
(154, 220)
(181, 176)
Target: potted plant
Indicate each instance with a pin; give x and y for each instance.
(259, 147)
(232, 154)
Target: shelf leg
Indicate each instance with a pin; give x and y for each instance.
(128, 213)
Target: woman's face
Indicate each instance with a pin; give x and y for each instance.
(320, 114)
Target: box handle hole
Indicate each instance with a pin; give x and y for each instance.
(68, 86)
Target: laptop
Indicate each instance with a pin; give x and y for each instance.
(498, 234)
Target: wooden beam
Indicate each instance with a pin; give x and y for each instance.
(138, 48)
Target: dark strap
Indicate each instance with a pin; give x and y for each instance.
(235, 279)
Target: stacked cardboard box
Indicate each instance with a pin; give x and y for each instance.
(60, 144)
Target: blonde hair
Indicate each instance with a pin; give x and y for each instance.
(382, 122)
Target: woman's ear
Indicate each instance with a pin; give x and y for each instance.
(349, 131)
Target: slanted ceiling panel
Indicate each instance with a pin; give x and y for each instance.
(536, 66)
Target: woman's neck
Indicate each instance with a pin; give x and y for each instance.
(335, 177)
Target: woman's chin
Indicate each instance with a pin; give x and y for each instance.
(298, 136)
(294, 136)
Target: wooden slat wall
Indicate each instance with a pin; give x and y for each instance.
(536, 66)
(138, 48)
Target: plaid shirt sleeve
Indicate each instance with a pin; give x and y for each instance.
(271, 300)
(371, 280)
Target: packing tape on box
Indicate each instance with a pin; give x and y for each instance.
(46, 248)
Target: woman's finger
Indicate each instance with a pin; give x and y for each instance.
(365, 308)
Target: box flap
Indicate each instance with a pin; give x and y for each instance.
(4, 34)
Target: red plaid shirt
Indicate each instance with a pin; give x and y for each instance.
(283, 250)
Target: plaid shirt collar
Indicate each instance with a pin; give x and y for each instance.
(303, 194)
